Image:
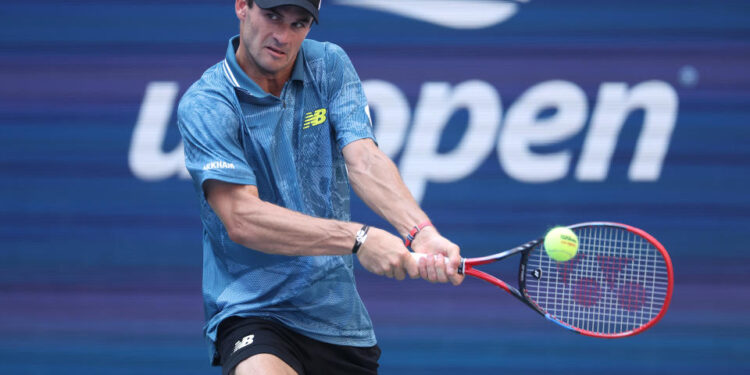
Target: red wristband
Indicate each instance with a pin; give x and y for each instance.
(413, 232)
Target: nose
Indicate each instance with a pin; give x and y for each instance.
(282, 34)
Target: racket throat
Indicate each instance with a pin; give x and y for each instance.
(462, 267)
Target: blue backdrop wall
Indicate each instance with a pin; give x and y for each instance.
(505, 117)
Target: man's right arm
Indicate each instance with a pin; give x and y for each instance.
(208, 125)
(270, 228)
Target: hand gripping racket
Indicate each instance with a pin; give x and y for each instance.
(619, 283)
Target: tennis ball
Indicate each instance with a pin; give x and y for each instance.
(561, 244)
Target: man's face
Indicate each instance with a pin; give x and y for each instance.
(272, 37)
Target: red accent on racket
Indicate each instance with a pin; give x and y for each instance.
(619, 283)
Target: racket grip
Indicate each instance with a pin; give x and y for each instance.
(418, 256)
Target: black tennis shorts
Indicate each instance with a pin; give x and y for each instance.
(241, 338)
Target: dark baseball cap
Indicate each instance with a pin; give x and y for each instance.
(312, 6)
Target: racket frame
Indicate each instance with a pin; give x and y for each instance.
(468, 264)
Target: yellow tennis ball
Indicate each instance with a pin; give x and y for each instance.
(561, 244)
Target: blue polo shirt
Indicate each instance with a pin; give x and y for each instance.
(290, 148)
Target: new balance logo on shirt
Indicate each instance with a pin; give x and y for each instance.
(315, 118)
(247, 340)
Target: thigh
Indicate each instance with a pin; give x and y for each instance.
(263, 364)
(257, 346)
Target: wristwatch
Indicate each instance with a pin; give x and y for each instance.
(360, 238)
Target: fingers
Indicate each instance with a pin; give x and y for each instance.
(423, 268)
(398, 266)
(433, 268)
(456, 279)
(444, 268)
(431, 271)
(388, 273)
(454, 264)
(385, 254)
(399, 271)
(440, 268)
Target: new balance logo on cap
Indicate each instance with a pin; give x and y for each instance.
(247, 340)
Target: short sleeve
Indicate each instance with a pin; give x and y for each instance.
(348, 108)
(210, 131)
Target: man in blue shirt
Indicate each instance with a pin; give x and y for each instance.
(274, 134)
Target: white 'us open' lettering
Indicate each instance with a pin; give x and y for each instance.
(417, 132)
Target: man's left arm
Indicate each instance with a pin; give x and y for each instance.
(375, 179)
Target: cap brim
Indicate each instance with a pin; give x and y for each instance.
(304, 4)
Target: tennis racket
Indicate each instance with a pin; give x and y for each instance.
(619, 283)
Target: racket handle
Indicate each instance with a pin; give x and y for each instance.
(418, 256)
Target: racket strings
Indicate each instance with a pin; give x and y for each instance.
(617, 282)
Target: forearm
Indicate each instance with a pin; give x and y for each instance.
(376, 180)
(270, 228)
(273, 229)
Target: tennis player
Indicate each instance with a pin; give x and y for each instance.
(274, 135)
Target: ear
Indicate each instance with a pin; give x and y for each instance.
(241, 9)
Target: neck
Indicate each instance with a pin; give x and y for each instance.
(270, 82)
